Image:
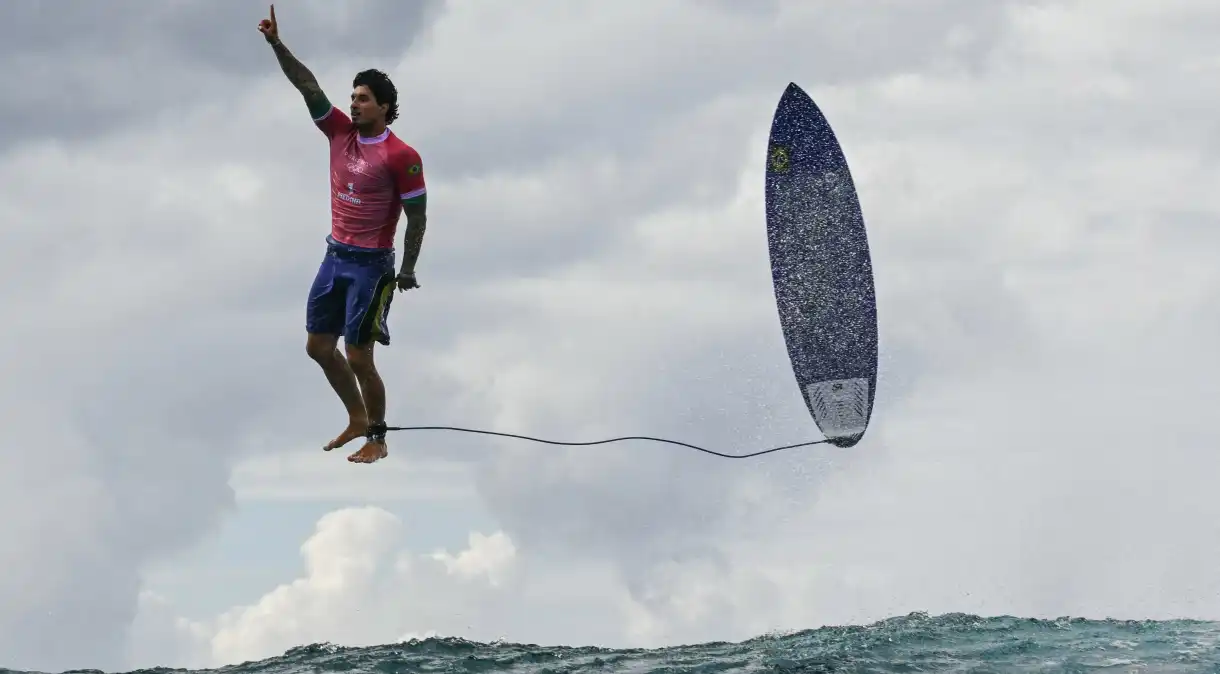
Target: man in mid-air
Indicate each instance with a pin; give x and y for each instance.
(374, 177)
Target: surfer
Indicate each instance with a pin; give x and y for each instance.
(374, 177)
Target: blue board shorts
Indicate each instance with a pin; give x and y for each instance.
(351, 294)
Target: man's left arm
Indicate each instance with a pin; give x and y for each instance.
(414, 194)
(416, 210)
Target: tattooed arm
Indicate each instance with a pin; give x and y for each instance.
(296, 72)
(302, 79)
(409, 179)
(417, 221)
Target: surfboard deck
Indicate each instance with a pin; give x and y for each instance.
(821, 269)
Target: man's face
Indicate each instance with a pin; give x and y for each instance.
(364, 107)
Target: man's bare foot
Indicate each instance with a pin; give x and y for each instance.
(356, 428)
(373, 450)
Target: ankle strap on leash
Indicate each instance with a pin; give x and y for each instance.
(376, 431)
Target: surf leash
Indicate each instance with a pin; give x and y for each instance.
(378, 431)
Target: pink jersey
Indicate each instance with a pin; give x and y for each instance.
(369, 178)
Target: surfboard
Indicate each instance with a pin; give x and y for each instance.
(821, 269)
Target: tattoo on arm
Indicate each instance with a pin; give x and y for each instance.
(417, 222)
(302, 79)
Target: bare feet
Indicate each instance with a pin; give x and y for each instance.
(373, 450)
(356, 428)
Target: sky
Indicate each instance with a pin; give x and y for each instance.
(1038, 183)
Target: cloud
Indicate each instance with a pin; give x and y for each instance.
(132, 64)
(300, 477)
(142, 354)
(1024, 276)
(354, 565)
(595, 266)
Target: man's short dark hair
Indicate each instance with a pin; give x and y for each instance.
(383, 90)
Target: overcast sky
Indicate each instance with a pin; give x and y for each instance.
(1039, 181)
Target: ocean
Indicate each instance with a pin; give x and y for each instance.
(917, 642)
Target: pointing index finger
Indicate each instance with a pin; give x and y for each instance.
(273, 13)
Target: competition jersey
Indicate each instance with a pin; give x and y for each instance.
(369, 178)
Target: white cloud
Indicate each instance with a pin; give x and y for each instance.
(345, 562)
(488, 557)
(358, 587)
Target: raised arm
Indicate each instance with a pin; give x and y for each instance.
(294, 70)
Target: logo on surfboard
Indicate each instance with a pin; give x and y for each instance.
(778, 161)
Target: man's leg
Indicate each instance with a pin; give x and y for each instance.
(325, 350)
(325, 316)
(370, 307)
(373, 391)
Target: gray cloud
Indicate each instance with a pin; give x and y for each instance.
(140, 372)
(77, 69)
(991, 208)
(595, 265)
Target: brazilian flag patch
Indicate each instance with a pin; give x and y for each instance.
(415, 168)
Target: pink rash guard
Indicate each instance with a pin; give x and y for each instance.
(369, 179)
